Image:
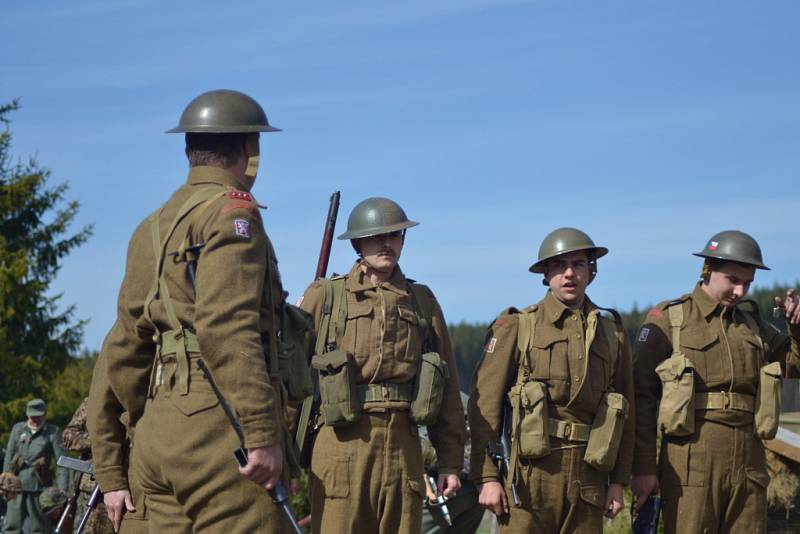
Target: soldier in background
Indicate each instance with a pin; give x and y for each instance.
(76, 439)
(33, 447)
(465, 511)
(10, 487)
(703, 377)
(567, 371)
(378, 332)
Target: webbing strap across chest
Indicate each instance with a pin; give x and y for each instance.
(675, 312)
(179, 339)
(334, 313)
(527, 331)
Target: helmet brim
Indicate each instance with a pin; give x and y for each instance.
(379, 230)
(223, 129)
(734, 259)
(538, 267)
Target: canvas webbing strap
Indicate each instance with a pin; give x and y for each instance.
(675, 321)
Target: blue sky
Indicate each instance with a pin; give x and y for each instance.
(651, 125)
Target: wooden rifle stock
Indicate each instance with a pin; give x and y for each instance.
(327, 236)
(307, 422)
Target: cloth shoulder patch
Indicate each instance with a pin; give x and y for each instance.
(241, 228)
(502, 323)
(643, 333)
(655, 313)
(490, 345)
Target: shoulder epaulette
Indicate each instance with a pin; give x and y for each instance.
(335, 276)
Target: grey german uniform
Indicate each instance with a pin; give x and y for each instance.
(30, 454)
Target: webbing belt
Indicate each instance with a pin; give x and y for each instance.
(170, 342)
(569, 431)
(386, 391)
(724, 400)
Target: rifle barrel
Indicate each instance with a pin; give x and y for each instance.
(327, 238)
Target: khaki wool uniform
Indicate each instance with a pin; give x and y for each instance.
(111, 430)
(714, 480)
(367, 477)
(183, 442)
(76, 439)
(560, 492)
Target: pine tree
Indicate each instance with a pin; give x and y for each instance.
(38, 338)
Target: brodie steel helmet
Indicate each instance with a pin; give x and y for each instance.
(733, 245)
(563, 241)
(223, 111)
(376, 216)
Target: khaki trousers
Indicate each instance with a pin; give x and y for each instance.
(183, 459)
(559, 493)
(367, 478)
(714, 481)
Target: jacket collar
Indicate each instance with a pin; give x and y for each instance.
(553, 309)
(357, 280)
(206, 174)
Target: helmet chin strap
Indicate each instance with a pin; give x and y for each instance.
(253, 159)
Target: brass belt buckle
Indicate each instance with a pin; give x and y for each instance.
(726, 402)
(567, 430)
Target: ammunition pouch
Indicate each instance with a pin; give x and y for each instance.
(530, 419)
(293, 340)
(337, 387)
(606, 434)
(676, 411)
(429, 386)
(768, 401)
(17, 463)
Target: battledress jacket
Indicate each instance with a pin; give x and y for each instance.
(382, 335)
(576, 382)
(43, 446)
(726, 357)
(228, 309)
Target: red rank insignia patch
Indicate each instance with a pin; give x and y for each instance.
(655, 312)
(240, 195)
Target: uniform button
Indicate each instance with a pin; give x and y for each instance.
(574, 317)
(577, 379)
(580, 356)
(155, 338)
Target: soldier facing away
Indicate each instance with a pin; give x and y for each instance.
(708, 372)
(202, 282)
(565, 370)
(33, 446)
(385, 365)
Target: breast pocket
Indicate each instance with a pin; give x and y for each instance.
(358, 338)
(702, 347)
(549, 355)
(409, 330)
(599, 374)
(754, 357)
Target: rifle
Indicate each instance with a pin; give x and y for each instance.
(67, 518)
(500, 453)
(279, 494)
(646, 522)
(307, 423)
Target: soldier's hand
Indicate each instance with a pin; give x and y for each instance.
(791, 306)
(264, 466)
(493, 498)
(642, 487)
(448, 485)
(117, 503)
(615, 500)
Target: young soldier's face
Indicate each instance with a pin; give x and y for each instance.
(729, 282)
(568, 276)
(382, 252)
